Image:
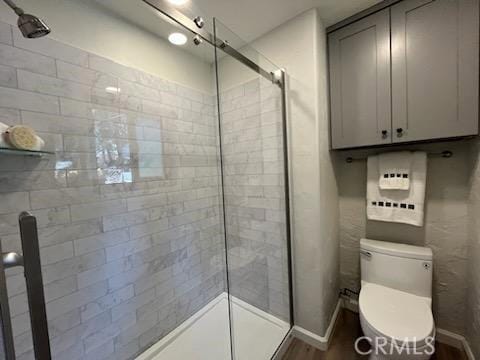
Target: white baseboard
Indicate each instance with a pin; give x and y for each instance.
(320, 342)
(455, 340)
(468, 350)
(449, 338)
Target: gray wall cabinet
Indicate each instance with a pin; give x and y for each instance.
(410, 70)
(360, 82)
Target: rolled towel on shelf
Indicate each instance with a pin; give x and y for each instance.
(39, 145)
(24, 138)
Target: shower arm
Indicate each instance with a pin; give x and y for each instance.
(19, 11)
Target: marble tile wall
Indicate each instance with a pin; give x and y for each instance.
(128, 207)
(252, 151)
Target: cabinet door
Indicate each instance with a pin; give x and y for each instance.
(359, 60)
(434, 69)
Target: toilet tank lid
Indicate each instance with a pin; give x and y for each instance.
(394, 249)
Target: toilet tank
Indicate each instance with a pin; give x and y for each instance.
(403, 267)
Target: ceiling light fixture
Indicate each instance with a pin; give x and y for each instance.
(177, 2)
(177, 38)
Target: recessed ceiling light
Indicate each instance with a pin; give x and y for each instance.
(177, 38)
(177, 2)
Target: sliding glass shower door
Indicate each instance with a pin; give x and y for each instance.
(154, 222)
(255, 196)
(126, 193)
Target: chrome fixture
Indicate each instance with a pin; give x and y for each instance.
(30, 26)
(197, 40)
(166, 8)
(12, 259)
(199, 22)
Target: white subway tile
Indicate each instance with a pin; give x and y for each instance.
(56, 253)
(53, 86)
(6, 33)
(82, 297)
(25, 100)
(26, 60)
(8, 76)
(14, 202)
(58, 124)
(51, 48)
(98, 209)
(59, 197)
(100, 241)
(85, 76)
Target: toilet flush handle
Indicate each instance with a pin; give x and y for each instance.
(368, 254)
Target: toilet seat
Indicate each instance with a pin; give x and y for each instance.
(396, 315)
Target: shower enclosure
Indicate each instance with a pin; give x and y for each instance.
(157, 214)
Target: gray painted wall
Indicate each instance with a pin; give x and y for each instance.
(445, 230)
(128, 207)
(473, 296)
(300, 47)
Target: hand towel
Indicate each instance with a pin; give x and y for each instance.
(394, 168)
(401, 206)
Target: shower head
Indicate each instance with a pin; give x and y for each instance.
(30, 26)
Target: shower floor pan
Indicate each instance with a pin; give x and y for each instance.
(206, 335)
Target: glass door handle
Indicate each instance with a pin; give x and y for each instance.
(34, 282)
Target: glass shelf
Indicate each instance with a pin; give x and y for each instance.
(19, 152)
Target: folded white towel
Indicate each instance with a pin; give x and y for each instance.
(395, 168)
(3, 137)
(402, 206)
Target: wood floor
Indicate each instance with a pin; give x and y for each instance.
(342, 346)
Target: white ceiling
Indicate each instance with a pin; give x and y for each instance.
(251, 19)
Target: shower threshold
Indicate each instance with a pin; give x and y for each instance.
(206, 334)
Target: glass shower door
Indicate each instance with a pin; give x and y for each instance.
(255, 195)
(127, 199)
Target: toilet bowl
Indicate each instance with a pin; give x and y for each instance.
(398, 325)
(395, 300)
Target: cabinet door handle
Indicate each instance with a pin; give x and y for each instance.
(399, 132)
(384, 134)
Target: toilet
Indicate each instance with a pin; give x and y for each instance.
(395, 300)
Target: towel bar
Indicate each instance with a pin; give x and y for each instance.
(444, 154)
